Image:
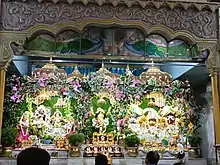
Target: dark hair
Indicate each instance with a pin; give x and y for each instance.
(180, 155)
(33, 156)
(101, 159)
(178, 163)
(152, 157)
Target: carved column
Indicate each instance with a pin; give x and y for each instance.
(2, 91)
(6, 55)
(216, 103)
(213, 64)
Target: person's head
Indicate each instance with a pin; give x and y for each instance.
(33, 156)
(101, 159)
(152, 158)
(178, 163)
(180, 156)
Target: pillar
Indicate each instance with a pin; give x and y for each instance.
(216, 109)
(2, 92)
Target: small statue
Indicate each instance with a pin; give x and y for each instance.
(100, 121)
(57, 118)
(23, 135)
(40, 121)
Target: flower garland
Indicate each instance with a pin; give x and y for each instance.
(124, 89)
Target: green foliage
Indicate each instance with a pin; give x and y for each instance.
(132, 141)
(95, 104)
(181, 50)
(154, 50)
(9, 135)
(47, 137)
(139, 45)
(42, 44)
(194, 140)
(76, 139)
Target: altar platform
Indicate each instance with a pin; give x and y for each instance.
(115, 161)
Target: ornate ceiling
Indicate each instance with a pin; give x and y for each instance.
(198, 4)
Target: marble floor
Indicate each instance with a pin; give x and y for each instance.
(90, 161)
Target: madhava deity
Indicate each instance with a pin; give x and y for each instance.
(39, 125)
(57, 119)
(100, 121)
(57, 122)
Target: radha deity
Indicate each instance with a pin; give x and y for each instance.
(22, 127)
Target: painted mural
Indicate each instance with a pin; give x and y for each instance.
(111, 42)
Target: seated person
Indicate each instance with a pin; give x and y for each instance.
(33, 156)
(101, 159)
(152, 158)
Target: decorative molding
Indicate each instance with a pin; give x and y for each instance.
(213, 60)
(4, 65)
(9, 45)
(19, 16)
(199, 5)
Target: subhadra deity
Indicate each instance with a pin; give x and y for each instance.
(100, 121)
(22, 127)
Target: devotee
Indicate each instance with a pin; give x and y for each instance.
(180, 158)
(101, 159)
(33, 156)
(152, 158)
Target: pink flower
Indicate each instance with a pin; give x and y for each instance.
(63, 91)
(76, 85)
(135, 83)
(16, 98)
(88, 114)
(121, 124)
(137, 97)
(119, 94)
(14, 88)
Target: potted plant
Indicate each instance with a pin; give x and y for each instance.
(9, 135)
(47, 139)
(131, 143)
(194, 142)
(75, 141)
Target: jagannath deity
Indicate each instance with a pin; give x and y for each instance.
(155, 125)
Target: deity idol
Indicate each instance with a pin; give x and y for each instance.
(22, 127)
(71, 125)
(57, 121)
(57, 118)
(39, 125)
(100, 122)
(152, 124)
